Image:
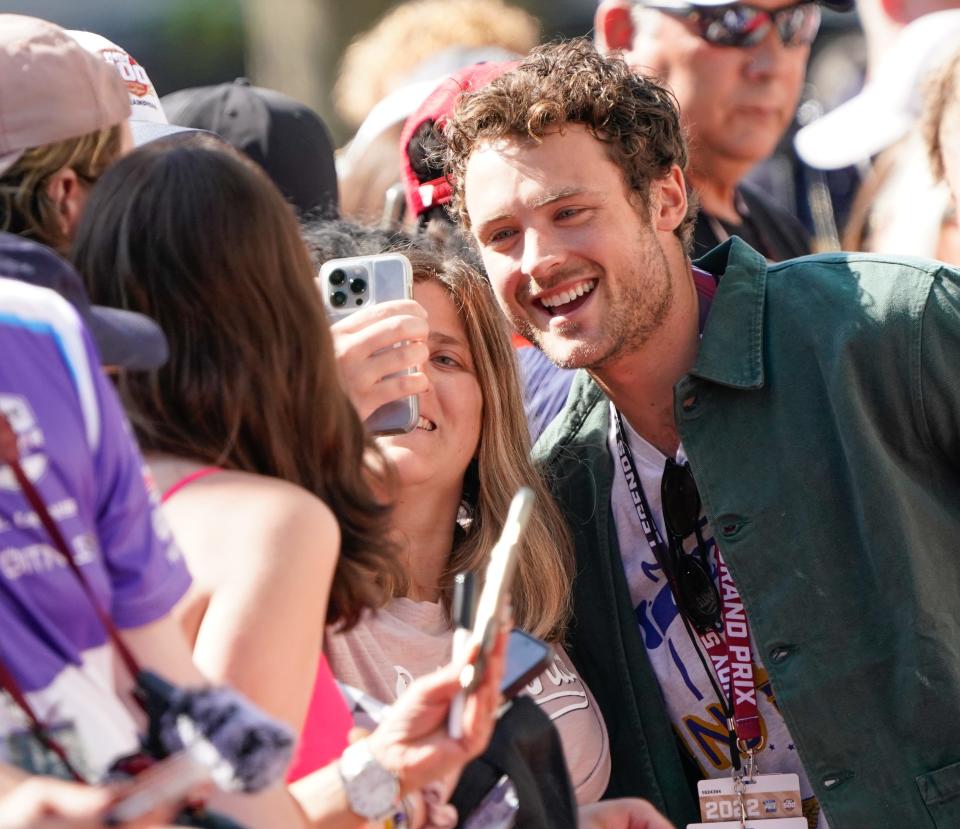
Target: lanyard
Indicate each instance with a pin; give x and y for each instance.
(729, 654)
(9, 455)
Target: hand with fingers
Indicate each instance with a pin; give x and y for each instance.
(622, 813)
(47, 803)
(412, 741)
(374, 346)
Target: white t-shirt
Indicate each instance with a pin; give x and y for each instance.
(692, 703)
(388, 650)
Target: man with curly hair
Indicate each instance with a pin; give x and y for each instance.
(805, 617)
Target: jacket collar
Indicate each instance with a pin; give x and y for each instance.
(731, 351)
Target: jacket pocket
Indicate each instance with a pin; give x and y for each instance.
(940, 791)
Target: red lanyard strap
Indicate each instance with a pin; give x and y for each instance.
(9, 454)
(732, 660)
(729, 654)
(37, 728)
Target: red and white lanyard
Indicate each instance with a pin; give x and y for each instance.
(728, 648)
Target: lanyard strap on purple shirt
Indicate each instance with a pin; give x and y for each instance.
(9, 454)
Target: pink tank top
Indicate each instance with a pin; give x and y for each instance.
(196, 475)
(328, 722)
(324, 735)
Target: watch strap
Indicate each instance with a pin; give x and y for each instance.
(373, 791)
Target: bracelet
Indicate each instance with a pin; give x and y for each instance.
(399, 819)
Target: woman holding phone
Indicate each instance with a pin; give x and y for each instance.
(268, 474)
(456, 474)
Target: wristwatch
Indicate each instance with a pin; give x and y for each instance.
(372, 791)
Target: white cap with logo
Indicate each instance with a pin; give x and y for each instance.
(50, 88)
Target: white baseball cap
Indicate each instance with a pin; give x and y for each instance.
(890, 102)
(148, 121)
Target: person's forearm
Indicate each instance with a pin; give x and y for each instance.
(323, 801)
(269, 809)
(10, 778)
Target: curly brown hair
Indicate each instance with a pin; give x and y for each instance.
(569, 82)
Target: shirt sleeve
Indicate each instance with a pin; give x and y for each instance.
(147, 572)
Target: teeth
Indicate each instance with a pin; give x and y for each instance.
(426, 425)
(569, 295)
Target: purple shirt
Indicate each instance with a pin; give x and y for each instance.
(76, 447)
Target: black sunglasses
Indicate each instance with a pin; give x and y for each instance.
(696, 594)
(741, 25)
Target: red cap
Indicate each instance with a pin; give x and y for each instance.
(422, 195)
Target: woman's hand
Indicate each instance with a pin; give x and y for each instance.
(377, 342)
(46, 803)
(412, 740)
(623, 813)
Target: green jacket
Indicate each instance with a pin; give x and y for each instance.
(822, 422)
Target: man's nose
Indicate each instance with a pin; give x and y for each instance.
(541, 253)
(766, 57)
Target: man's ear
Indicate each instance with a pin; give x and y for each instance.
(68, 194)
(613, 26)
(668, 200)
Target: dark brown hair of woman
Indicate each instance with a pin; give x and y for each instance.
(188, 232)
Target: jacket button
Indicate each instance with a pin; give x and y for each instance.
(731, 529)
(690, 404)
(780, 653)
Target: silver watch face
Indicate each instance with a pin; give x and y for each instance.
(373, 792)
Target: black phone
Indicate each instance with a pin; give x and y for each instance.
(527, 658)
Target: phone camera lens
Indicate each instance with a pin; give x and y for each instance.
(337, 277)
(358, 286)
(338, 298)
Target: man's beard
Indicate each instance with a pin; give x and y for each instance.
(633, 317)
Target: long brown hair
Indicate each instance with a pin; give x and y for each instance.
(188, 232)
(540, 595)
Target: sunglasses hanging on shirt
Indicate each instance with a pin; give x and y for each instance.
(697, 596)
(693, 589)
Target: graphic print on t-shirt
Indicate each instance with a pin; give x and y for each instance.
(691, 701)
(407, 639)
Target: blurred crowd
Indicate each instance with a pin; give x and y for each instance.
(265, 404)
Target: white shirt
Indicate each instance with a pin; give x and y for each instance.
(691, 701)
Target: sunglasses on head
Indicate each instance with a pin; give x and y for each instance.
(695, 593)
(741, 25)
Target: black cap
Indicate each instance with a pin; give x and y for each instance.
(125, 339)
(288, 139)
